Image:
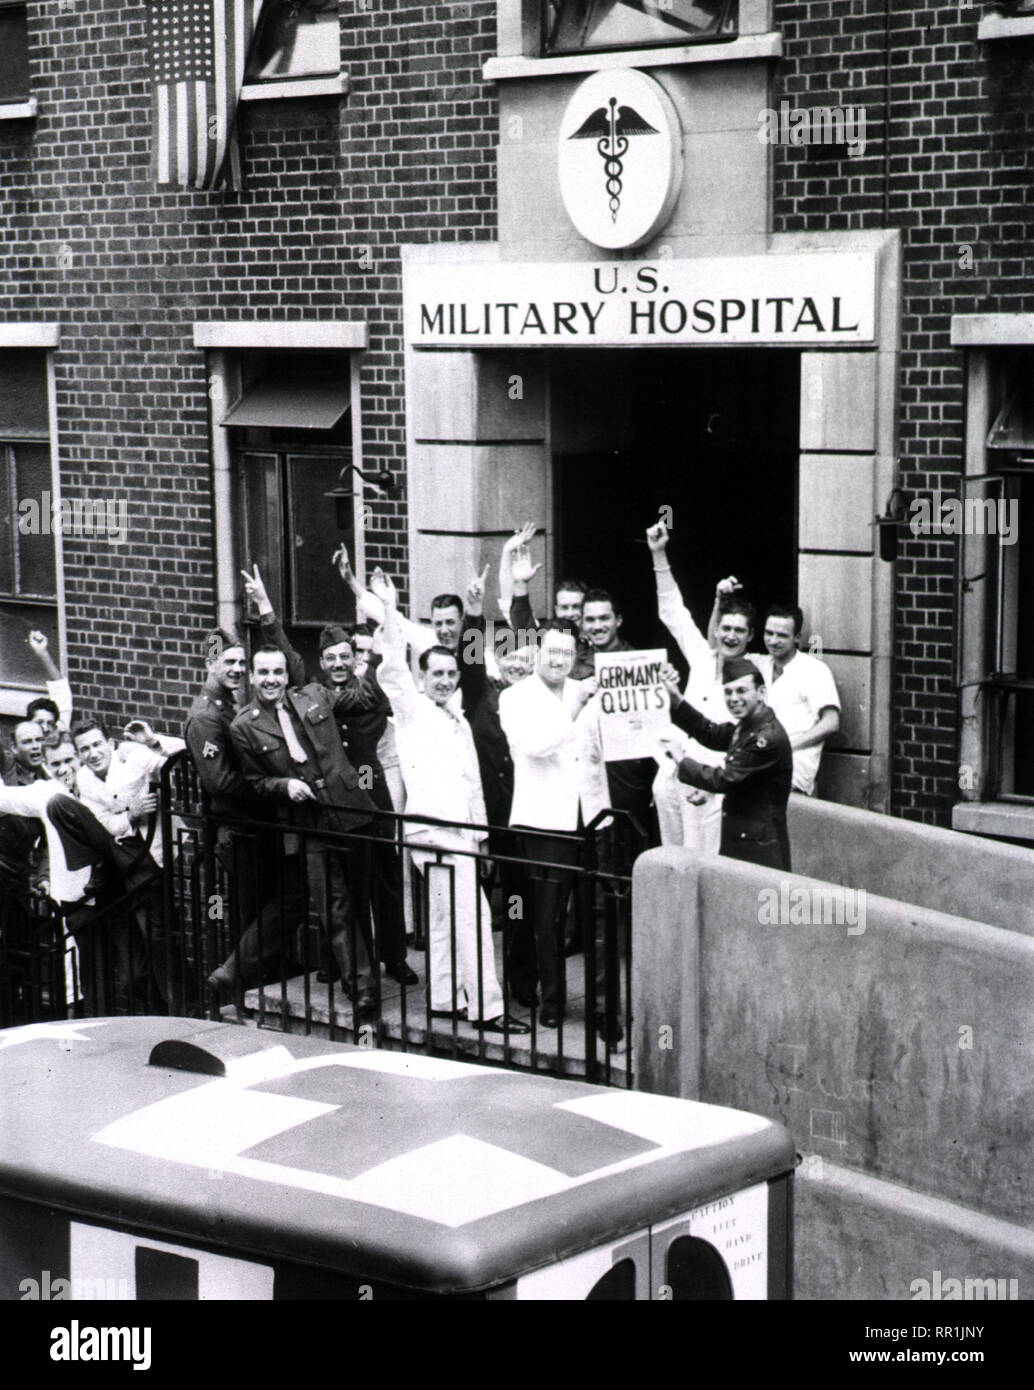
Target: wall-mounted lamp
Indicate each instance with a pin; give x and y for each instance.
(381, 482)
(891, 522)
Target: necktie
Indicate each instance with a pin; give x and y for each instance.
(294, 747)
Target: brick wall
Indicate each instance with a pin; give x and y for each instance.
(333, 186)
(950, 123)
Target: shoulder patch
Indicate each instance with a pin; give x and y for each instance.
(210, 750)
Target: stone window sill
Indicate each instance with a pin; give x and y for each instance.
(997, 26)
(335, 86)
(746, 47)
(17, 110)
(1007, 819)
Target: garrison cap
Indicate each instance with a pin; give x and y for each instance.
(332, 634)
(736, 668)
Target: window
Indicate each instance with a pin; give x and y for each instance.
(28, 548)
(14, 55)
(291, 431)
(999, 508)
(572, 26)
(296, 38)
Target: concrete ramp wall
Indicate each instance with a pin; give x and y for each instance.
(964, 875)
(895, 1043)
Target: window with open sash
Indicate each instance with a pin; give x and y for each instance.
(295, 38)
(998, 506)
(575, 26)
(28, 545)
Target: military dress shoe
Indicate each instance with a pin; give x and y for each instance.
(461, 1014)
(403, 974)
(505, 1023)
(550, 1018)
(609, 1031)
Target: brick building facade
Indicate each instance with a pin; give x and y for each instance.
(432, 151)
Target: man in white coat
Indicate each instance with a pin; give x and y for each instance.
(440, 770)
(538, 717)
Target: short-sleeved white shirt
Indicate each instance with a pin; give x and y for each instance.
(804, 689)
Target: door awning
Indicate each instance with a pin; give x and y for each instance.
(1014, 427)
(289, 400)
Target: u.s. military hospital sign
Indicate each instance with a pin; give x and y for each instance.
(806, 300)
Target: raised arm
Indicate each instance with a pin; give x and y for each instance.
(57, 687)
(671, 610)
(272, 629)
(393, 674)
(415, 634)
(521, 537)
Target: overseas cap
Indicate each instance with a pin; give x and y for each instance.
(331, 635)
(736, 668)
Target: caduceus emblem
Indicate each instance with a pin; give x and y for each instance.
(611, 130)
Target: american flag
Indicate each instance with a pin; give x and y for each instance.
(199, 49)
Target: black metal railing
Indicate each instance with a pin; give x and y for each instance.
(305, 928)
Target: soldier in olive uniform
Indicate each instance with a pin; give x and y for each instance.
(249, 859)
(758, 769)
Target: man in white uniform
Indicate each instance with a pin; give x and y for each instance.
(688, 815)
(442, 779)
(801, 693)
(538, 717)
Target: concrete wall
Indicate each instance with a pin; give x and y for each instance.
(940, 869)
(894, 1045)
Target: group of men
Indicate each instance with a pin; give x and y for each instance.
(78, 825)
(488, 739)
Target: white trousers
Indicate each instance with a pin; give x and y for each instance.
(682, 823)
(445, 879)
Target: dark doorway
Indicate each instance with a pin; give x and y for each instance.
(711, 435)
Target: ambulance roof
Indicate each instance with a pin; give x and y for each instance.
(433, 1174)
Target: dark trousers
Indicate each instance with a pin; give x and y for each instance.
(345, 917)
(386, 896)
(265, 904)
(125, 941)
(536, 946)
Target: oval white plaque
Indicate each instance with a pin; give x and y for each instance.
(620, 158)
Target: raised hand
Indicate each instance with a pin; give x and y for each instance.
(521, 568)
(724, 587)
(255, 589)
(522, 536)
(139, 731)
(344, 564)
(381, 587)
(476, 593)
(670, 678)
(657, 536)
(38, 642)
